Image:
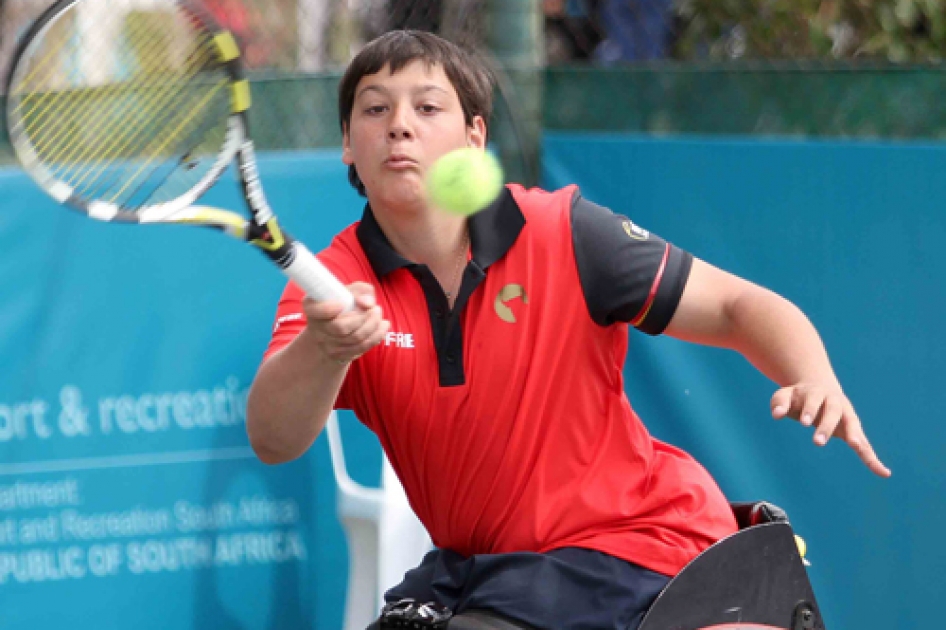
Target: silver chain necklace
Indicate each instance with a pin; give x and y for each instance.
(460, 260)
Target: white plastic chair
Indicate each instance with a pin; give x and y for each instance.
(385, 538)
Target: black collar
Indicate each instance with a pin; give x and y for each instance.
(493, 230)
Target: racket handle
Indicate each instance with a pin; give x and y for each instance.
(315, 279)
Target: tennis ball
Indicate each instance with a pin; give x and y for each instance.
(464, 181)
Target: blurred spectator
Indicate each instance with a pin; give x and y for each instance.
(381, 16)
(463, 22)
(460, 21)
(418, 15)
(572, 32)
(635, 30)
(235, 16)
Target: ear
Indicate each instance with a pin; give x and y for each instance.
(476, 133)
(346, 147)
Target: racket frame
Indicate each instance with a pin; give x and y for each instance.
(262, 230)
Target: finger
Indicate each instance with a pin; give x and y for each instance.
(831, 413)
(340, 326)
(799, 394)
(866, 452)
(781, 402)
(365, 330)
(352, 352)
(860, 445)
(853, 433)
(811, 405)
(344, 326)
(321, 311)
(378, 336)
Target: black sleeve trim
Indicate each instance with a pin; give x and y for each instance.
(619, 265)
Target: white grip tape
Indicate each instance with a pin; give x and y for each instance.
(317, 281)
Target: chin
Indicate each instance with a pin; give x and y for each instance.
(401, 195)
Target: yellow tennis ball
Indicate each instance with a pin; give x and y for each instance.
(464, 181)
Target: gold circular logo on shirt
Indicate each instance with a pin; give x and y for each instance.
(509, 292)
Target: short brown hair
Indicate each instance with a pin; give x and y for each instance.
(468, 74)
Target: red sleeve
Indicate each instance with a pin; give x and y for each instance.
(290, 321)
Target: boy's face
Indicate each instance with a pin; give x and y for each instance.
(400, 124)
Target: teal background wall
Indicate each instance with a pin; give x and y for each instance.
(852, 233)
(172, 320)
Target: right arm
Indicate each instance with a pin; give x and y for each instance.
(295, 389)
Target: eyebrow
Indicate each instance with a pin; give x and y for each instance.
(383, 90)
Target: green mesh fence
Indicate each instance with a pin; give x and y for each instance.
(296, 112)
(798, 101)
(834, 68)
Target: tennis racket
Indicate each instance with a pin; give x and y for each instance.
(130, 110)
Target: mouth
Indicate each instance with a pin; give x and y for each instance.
(399, 161)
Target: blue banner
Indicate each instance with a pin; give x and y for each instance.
(129, 496)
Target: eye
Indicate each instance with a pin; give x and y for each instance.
(429, 108)
(375, 109)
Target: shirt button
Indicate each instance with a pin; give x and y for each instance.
(439, 313)
(451, 358)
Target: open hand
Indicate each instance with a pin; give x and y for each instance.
(832, 415)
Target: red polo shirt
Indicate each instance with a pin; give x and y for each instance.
(506, 419)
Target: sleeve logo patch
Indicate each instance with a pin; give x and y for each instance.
(292, 317)
(638, 234)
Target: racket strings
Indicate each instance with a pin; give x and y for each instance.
(117, 135)
(127, 133)
(191, 167)
(69, 111)
(154, 111)
(104, 141)
(39, 87)
(71, 103)
(44, 87)
(193, 103)
(163, 143)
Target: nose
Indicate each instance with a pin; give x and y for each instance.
(399, 133)
(400, 128)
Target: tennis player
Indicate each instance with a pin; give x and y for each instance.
(487, 352)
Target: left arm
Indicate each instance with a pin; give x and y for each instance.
(720, 309)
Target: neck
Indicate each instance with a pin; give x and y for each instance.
(431, 238)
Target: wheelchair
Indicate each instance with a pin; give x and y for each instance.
(754, 579)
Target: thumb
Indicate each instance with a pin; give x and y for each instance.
(364, 294)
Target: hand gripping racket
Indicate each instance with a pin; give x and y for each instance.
(130, 110)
